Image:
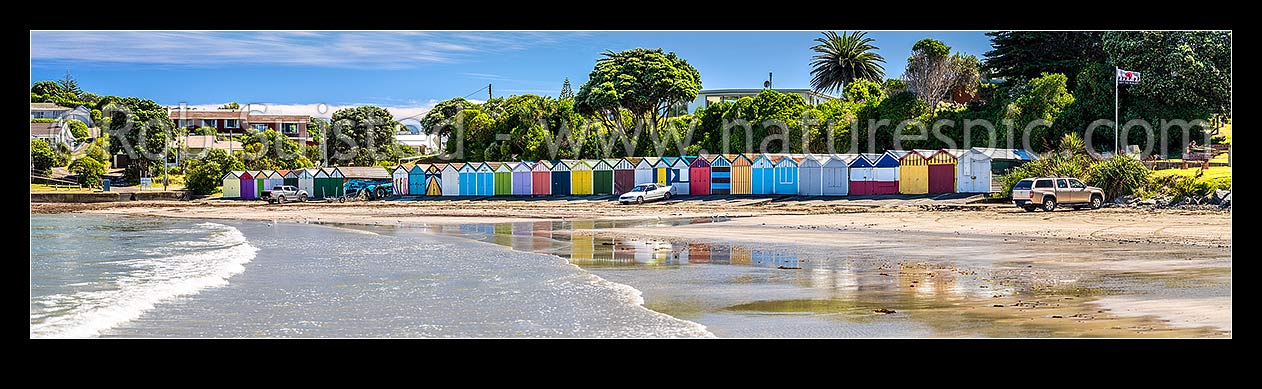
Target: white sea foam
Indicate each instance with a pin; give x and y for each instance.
(202, 265)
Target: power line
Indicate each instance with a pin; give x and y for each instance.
(476, 91)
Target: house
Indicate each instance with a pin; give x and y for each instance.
(198, 145)
(421, 143)
(48, 111)
(53, 133)
(238, 121)
(712, 96)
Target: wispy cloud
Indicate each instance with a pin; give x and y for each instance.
(373, 50)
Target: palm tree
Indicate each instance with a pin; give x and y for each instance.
(843, 59)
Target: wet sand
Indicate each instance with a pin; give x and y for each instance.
(990, 272)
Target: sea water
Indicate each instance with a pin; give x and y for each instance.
(142, 277)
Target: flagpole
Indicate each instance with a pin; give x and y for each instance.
(1116, 125)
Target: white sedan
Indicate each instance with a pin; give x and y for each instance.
(647, 192)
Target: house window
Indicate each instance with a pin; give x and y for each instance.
(186, 123)
(231, 123)
(260, 126)
(208, 122)
(289, 128)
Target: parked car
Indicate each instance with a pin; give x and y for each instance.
(284, 193)
(1048, 192)
(647, 192)
(368, 189)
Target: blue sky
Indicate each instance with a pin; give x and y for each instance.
(409, 71)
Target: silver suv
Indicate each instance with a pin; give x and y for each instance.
(1046, 193)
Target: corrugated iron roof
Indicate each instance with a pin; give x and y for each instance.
(364, 172)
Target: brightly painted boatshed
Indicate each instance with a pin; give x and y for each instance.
(290, 176)
(416, 179)
(580, 177)
(720, 175)
(434, 180)
(260, 182)
(541, 178)
(272, 179)
(786, 172)
(503, 177)
(399, 177)
(561, 180)
(742, 175)
(973, 172)
(468, 179)
(623, 175)
(884, 173)
(835, 174)
(451, 179)
(329, 183)
(602, 176)
(699, 176)
(247, 186)
(913, 171)
(941, 171)
(811, 176)
(646, 170)
(762, 175)
(679, 176)
(521, 178)
(306, 181)
(861, 176)
(232, 185)
(661, 171)
(486, 179)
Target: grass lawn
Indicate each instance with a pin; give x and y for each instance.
(1211, 173)
(58, 188)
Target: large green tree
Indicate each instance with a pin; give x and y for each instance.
(1023, 55)
(439, 119)
(1187, 74)
(138, 128)
(642, 82)
(841, 59)
(1044, 99)
(270, 150)
(78, 130)
(362, 136)
(42, 157)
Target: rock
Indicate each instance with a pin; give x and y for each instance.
(997, 305)
(1123, 200)
(1058, 317)
(1148, 203)
(1220, 194)
(883, 311)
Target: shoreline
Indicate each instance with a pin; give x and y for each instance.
(1106, 230)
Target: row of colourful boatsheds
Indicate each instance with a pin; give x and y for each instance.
(891, 172)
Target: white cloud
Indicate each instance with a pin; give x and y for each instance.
(353, 49)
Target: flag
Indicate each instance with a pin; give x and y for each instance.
(1127, 77)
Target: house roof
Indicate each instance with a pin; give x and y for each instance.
(1012, 154)
(368, 172)
(208, 114)
(45, 129)
(209, 141)
(48, 107)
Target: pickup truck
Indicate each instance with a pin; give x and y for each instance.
(368, 189)
(280, 194)
(1046, 193)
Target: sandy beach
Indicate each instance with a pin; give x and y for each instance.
(1070, 273)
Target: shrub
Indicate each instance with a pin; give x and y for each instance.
(43, 120)
(1119, 175)
(78, 130)
(42, 157)
(88, 170)
(98, 153)
(203, 176)
(206, 131)
(1053, 165)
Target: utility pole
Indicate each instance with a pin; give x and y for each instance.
(488, 92)
(1116, 141)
